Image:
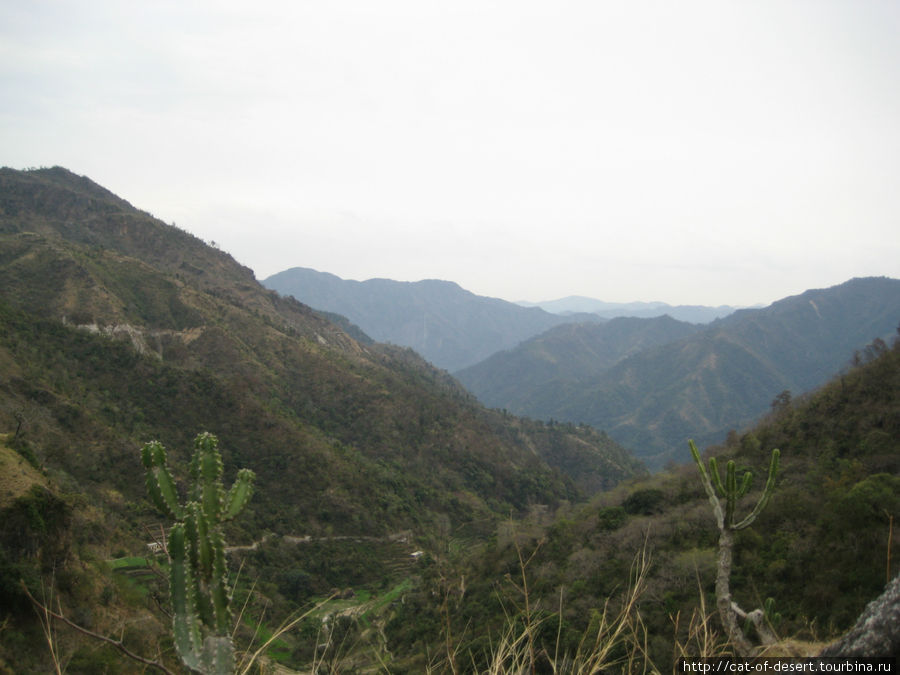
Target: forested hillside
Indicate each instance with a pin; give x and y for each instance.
(118, 329)
(515, 378)
(823, 547)
(419, 529)
(723, 376)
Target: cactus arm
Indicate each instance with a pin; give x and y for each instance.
(707, 484)
(730, 492)
(220, 592)
(745, 484)
(218, 655)
(197, 530)
(239, 494)
(704, 476)
(202, 544)
(767, 492)
(186, 622)
(160, 485)
(773, 469)
(717, 479)
(208, 469)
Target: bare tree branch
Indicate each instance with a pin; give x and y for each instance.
(81, 629)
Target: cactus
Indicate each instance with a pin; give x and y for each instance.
(731, 490)
(773, 618)
(198, 574)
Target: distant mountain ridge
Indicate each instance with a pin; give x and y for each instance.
(722, 376)
(448, 325)
(573, 304)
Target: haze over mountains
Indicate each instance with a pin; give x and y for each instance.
(653, 383)
(116, 328)
(649, 382)
(576, 304)
(450, 326)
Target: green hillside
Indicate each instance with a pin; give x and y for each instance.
(116, 329)
(417, 527)
(723, 376)
(569, 353)
(821, 549)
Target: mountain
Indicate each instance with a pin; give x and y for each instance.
(721, 377)
(75, 254)
(609, 310)
(451, 327)
(116, 329)
(571, 352)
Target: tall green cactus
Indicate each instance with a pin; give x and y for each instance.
(198, 576)
(731, 490)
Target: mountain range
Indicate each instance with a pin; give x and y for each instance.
(652, 383)
(448, 325)
(451, 327)
(571, 352)
(648, 382)
(380, 479)
(118, 328)
(577, 304)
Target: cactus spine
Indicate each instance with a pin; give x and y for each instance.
(198, 575)
(730, 491)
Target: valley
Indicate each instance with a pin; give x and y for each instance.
(646, 378)
(405, 518)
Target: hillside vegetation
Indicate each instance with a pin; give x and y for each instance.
(85, 274)
(417, 528)
(652, 395)
(116, 329)
(565, 355)
(822, 548)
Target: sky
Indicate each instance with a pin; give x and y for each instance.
(688, 152)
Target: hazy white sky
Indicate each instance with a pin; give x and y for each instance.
(690, 152)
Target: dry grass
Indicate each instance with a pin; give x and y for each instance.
(615, 642)
(16, 475)
(702, 639)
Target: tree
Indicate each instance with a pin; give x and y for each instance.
(782, 402)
